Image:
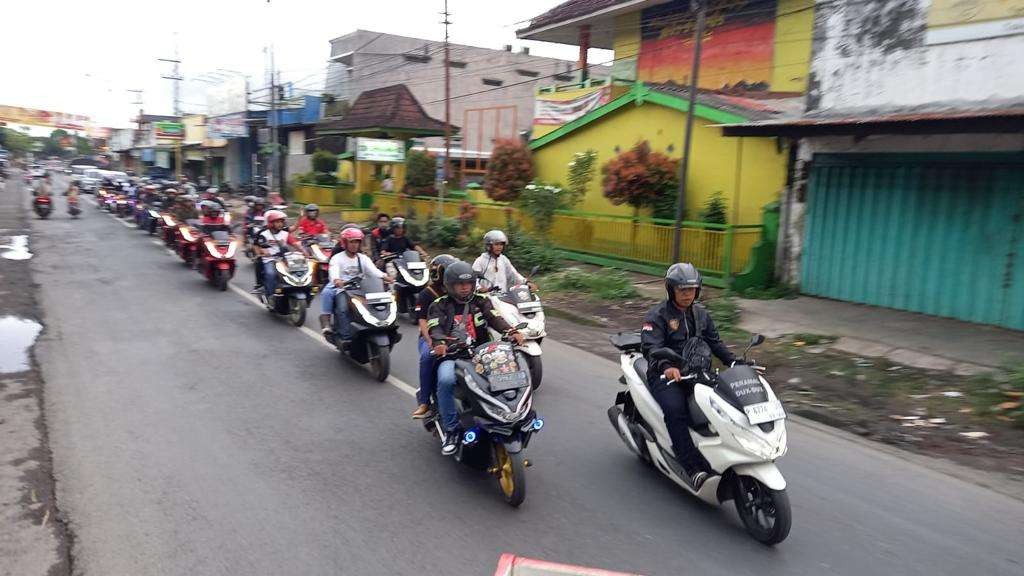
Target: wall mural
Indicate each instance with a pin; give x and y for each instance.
(738, 43)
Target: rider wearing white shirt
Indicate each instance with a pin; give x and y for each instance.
(494, 267)
(345, 266)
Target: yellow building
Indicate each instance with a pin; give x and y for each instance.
(748, 172)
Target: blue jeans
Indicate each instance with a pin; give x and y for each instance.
(428, 373)
(335, 300)
(269, 277)
(446, 395)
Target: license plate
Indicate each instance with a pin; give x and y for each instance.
(416, 265)
(764, 412)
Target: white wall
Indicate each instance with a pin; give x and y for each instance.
(880, 54)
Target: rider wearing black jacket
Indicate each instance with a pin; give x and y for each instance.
(670, 325)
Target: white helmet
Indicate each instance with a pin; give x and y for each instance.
(495, 237)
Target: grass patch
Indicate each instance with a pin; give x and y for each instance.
(610, 284)
(564, 315)
(813, 339)
(726, 315)
(999, 396)
(770, 293)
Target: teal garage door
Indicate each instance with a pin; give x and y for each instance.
(938, 234)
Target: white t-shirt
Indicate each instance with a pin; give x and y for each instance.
(344, 267)
(272, 249)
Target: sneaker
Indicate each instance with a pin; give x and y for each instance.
(256, 289)
(422, 412)
(451, 443)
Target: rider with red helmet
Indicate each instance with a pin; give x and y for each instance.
(345, 266)
(271, 243)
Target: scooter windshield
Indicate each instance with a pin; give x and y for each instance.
(411, 256)
(371, 284)
(740, 386)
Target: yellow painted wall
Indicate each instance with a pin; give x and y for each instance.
(794, 28)
(749, 171)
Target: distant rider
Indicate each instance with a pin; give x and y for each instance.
(428, 363)
(310, 223)
(495, 268)
(379, 233)
(213, 214)
(344, 266)
(670, 324)
(460, 315)
(397, 242)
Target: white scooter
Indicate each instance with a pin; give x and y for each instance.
(521, 306)
(737, 423)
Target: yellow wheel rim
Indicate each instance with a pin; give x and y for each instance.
(505, 475)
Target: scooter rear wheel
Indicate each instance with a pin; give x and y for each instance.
(511, 472)
(765, 513)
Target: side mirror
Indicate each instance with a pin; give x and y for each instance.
(756, 340)
(522, 326)
(534, 270)
(666, 354)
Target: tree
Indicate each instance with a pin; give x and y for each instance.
(539, 201)
(324, 162)
(17, 142)
(82, 146)
(638, 177)
(581, 172)
(715, 211)
(419, 174)
(509, 170)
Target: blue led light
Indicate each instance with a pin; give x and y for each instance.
(538, 423)
(469, 437)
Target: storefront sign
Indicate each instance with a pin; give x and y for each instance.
(169, 130)
(378, 150)
(16, 115)
(229, 126)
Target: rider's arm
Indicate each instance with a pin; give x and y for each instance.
(511, 274)
(436, 322)
(653, 336)
(369, 268)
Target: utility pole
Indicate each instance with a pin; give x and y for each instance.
(138, 123)
(700, 8)
(176, 78)
(447, 114)
(272, 168)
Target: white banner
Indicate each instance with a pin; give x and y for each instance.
(230, 126)
(553, 112)
(227, 96)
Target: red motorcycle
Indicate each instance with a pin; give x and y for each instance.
(217, 258)
(186, 243)
(73, 208)
(168, 229)
(43, 205)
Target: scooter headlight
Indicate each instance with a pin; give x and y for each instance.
(232, 247)
(755, 445)
(212, 249)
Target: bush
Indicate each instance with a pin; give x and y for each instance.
(715, 210)
(665, 206)
(526, 251)
(444, 232)
(419, 169)
(509, 170)
(639, 177)
(608, 284)
(539, 201)
(325, 162)
(725, 313)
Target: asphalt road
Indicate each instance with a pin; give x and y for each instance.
(193, 433)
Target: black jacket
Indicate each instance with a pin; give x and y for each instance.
(445, 313)
(668, 326)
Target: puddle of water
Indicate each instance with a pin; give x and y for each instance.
(16, 336)
(15, 247)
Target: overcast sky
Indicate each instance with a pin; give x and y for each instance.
(82, 57)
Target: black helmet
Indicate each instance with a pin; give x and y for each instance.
(458, 272)
(682, 274)
(438, 264)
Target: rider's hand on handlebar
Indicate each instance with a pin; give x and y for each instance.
(440, 350)
(518, 338)
(672, 374)
(389, 279)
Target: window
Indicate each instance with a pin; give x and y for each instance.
(421, 58)
(564, 77)
(493, 82)
(529, 73)
(456, 64)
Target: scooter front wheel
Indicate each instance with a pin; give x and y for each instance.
(536, 368)
(297, 314)
(511, 472)
(220, 280)
(765, 513)
(380, 361)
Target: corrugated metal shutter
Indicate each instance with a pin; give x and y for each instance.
(941, 235)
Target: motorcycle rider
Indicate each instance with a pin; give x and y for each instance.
(461, 314)
(343, 267)
(310, 224)
(259, 206)
(428, 364)
(397, 242)
(271, 243)
(184, 207)
(213, 214)
(671, 324)
(494, 267)
(378, 234)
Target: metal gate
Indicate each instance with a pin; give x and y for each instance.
(938, 234)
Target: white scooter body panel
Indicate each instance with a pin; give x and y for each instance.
(533, 331)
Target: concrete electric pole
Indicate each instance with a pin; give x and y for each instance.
(700, 8)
